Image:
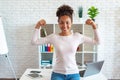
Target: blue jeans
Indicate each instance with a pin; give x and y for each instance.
(58, 76)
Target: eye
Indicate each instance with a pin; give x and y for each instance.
(61, 22)
(67, 22)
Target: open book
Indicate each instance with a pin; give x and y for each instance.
(34, 74)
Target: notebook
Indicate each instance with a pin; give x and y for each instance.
(91, 69)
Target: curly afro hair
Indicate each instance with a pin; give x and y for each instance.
(64, 10)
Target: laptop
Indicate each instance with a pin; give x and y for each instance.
(91, 69)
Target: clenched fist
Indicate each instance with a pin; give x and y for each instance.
(40, 23)
(91, 22)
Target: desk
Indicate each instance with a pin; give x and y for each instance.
(46, 73)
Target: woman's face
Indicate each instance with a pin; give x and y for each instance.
(65, 23)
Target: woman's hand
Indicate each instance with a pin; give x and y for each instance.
(40, 23)
(91, 22)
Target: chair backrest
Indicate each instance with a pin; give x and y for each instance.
(3, 43)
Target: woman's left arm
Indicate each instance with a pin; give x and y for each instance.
(96, 39)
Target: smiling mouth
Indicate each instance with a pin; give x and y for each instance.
(64, 29)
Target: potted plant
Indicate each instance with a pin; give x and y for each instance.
(93, 12)
(80, 13)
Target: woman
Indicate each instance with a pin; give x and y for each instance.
(65, 43)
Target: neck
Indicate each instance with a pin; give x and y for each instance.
(65, 33)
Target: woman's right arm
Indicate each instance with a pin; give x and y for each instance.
(35, 38)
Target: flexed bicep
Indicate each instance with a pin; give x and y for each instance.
(90, 40)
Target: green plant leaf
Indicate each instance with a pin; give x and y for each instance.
(92, 12)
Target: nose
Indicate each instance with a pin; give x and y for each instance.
(64, 25)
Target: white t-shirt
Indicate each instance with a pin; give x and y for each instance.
(65, 49)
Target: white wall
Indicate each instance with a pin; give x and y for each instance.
(20, 16)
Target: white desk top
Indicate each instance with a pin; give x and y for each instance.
(46, 73)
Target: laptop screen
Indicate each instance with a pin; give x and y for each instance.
(93, 68)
